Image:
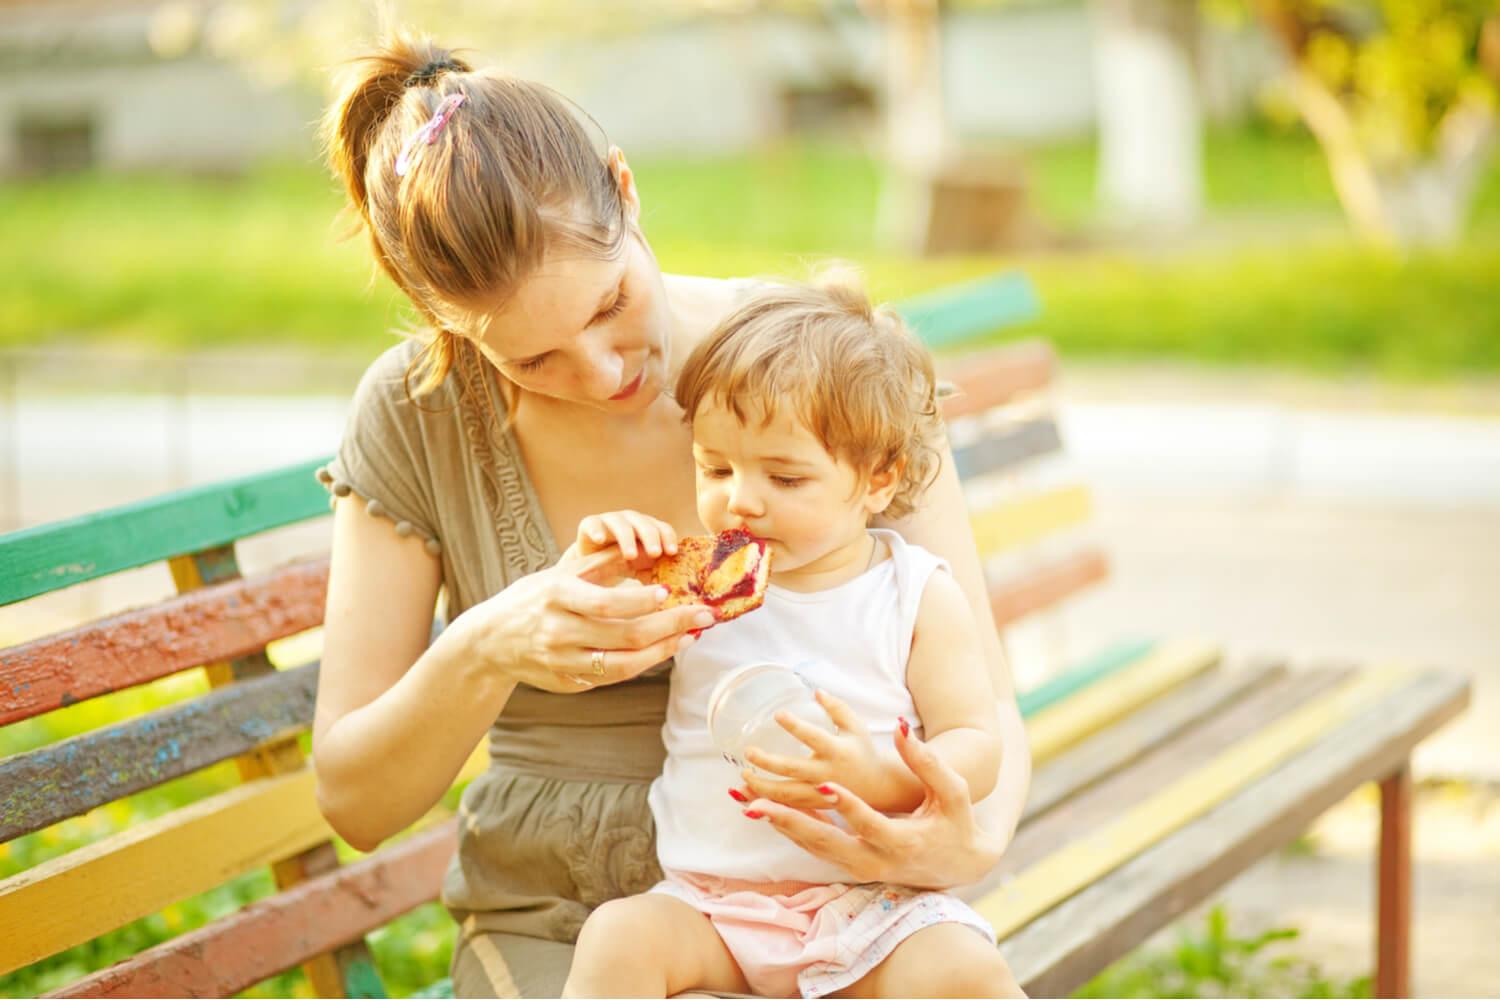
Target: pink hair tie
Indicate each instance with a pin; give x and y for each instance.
(427, 133)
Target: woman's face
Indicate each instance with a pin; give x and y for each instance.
(585, 330)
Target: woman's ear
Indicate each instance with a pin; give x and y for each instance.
(625, 180)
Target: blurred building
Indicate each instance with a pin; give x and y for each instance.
(82, 84)
(90, 82)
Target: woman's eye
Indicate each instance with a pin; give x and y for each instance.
(614, 310)
(529, 366)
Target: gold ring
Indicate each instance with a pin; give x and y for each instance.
(597, 662)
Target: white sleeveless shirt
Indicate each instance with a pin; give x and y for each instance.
(853, 641)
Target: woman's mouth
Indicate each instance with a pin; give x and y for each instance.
(632, 388)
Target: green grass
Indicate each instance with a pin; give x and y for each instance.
(1214, 962)
(198, 263)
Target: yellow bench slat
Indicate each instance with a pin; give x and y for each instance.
(1019, 522)
(1055, 729)
(95, 889)
(1093, 855)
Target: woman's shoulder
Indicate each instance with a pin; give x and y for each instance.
(389, 382)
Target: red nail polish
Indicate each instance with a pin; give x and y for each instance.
(826, 789)
(905, 726)
(754, 814)
(737, 795)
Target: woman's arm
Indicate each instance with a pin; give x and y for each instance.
(397, 718)
(381, 760)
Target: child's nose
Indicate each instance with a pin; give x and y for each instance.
(743, 501)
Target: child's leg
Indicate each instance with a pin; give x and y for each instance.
(944, 960)
(650, 946)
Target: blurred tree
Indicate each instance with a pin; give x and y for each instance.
(1401, 95)
(1150, 113)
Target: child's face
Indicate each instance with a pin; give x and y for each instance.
(779, 482)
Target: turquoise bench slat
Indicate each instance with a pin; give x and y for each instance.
(963, 312)
(1096, 668)
(53, 556)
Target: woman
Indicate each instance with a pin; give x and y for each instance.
(538, 399)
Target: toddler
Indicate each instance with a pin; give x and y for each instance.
(812, 413)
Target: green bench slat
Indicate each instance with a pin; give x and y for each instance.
(66, 779)
(1098, 667)
(969, 310)
(53, 556)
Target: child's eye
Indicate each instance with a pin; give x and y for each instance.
(788, 481)
(713, 473)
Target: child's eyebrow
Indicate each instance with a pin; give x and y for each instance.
(785, 460)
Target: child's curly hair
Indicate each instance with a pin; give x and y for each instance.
(859, 380)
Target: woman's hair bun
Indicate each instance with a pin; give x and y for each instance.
(434, 69)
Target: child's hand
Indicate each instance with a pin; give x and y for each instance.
(848, 757)
(641, 539)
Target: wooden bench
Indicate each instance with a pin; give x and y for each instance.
(1160, 772)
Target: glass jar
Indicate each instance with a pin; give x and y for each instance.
(742, 712)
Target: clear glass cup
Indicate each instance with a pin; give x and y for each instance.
(742, 712)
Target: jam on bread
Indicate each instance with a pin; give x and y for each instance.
(727, 572)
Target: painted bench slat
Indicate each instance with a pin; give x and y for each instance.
(1060, 950)
(1154, 723)
(1006, 449)
(997, 376)
(71, 899)
(1046, 585)
(964, 311)
(1076, 678)
(1169, 760)
(1020, 521)
(1067, 723)
(53, 556)
(66, 779)
(218, 622)
(1104, 848)
(272, 935)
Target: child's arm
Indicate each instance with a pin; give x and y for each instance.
(950, 688)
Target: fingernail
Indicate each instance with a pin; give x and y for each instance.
(754, 814)
(737, 795)
(828, 790)
(703, 619)
(905, 726)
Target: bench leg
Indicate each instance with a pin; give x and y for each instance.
(1393, 934)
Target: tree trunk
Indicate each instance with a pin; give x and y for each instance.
(916, 122)
(1150, 122)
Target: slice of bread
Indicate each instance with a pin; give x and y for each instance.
(728, 573)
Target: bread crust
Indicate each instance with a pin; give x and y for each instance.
(728, 572)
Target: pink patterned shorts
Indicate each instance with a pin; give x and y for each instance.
(802, 939)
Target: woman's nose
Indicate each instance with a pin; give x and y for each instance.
(603, 370)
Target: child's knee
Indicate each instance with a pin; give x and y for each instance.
(615, 927)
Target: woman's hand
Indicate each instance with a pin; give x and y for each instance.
(574, 627)
(848, 756)
(938, 846)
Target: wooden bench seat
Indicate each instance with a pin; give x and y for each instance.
(1160, 771)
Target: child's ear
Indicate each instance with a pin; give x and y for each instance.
(881, 487)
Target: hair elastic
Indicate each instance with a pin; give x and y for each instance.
(428, 133)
